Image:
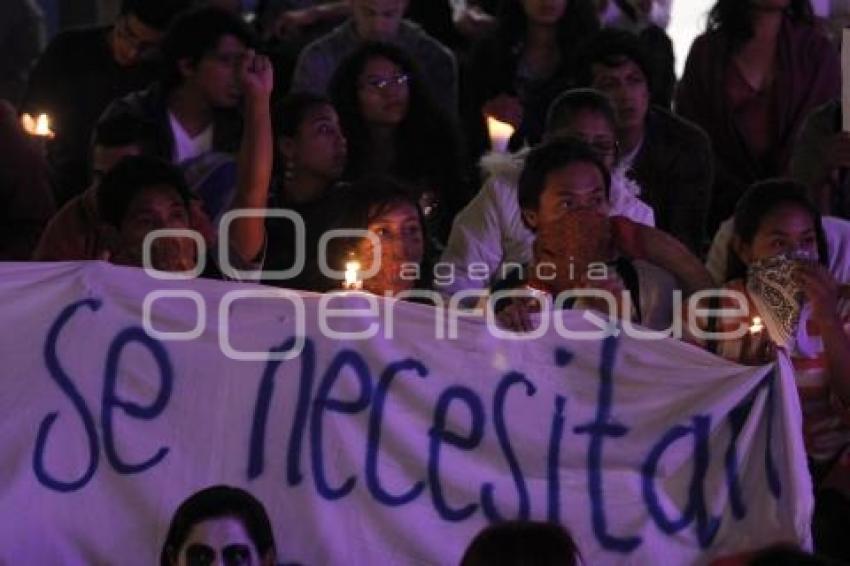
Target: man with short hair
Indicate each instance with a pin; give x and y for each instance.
(378, 20)
(193, 108)
(670, 158)
(83, 70)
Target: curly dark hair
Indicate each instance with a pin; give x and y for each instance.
(428, 142)
(734, 18)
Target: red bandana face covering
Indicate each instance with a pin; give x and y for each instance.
(564, 250)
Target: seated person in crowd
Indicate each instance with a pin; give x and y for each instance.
(219, 525)
(821, 158)
(193, 108)
(26, 203)
(779, 249)
(490, 230)
(310, 157)
(393, 127)
(391, 212)
(83, 70)
(521, 543)
(836, 231)
(669, 158)
(73, 232)
(515, 74)
(749, 82)
(143, 193)
(379, 20)
(563, 194)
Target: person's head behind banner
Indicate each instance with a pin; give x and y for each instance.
(137, 196)
(522, 543)
(219, 522)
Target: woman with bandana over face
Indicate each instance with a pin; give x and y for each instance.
(795, 309)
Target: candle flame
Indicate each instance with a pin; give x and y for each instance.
(39, 126)
(352, 275)
(757, 325)
(500, 133)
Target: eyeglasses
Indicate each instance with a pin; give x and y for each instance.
(381, 84)
(126, 34)
(232, 555)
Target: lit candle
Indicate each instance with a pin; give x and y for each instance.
(500, 134)
(352, 275)
(37, 127)
(757, 325)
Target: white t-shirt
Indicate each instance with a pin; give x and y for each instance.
(187, 147)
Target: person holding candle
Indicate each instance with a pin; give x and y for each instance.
(490, 230)
(83, 70)
(393, 127)
(776, 223)
(390, 210)
(516, 73)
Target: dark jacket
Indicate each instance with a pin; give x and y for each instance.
(151, 107)
(807, 75)
(674, 168)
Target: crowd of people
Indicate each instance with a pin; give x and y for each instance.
(514, 143)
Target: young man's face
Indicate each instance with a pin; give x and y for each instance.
(155, 208)
(578, 186)
(377, 20)
(217, 74)
(627, 87)
(132, 40)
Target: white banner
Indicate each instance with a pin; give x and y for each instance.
(395, 449)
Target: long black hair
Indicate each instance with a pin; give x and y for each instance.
(761, 199)
(734, 18)
(427, 140)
